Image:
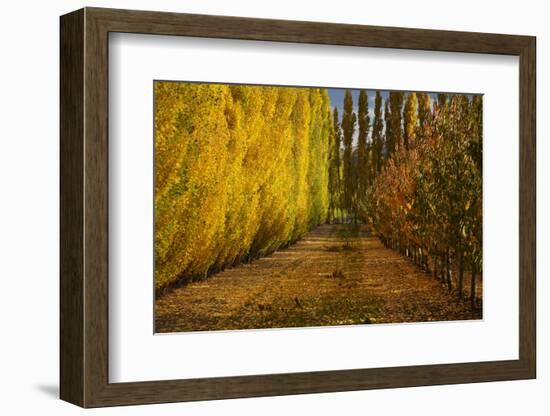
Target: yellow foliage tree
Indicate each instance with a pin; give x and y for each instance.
(239, 172)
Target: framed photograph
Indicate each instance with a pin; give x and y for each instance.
(254, 207)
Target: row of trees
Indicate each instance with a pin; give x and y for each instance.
(239, 172)
(243, 170)
(417, 177)
(354, 167)
(427, 201)
(350, 167)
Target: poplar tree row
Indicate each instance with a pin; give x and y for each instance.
(427, 201)
(350, 166)
(242, 170)
(418, 179)
(239, 172)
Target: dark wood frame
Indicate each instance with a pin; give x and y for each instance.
(84, 207)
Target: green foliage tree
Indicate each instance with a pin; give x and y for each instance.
(348, 128)
(335, 181)
(377, 138)
(475, 242)
(396, 121)
(410, 120)
(388, 134)
(363, 168)
(442, 100)
(424, 114)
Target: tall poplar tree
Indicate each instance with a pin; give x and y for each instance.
(442, 99)
(348, 128)
(396, 108)
(475, 214)
(424, 114)
(476, 111)
(410, 117)
(362, 146)
(336, 166)
(377, 126)
(387, 130)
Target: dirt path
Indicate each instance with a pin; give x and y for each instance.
(330, 277)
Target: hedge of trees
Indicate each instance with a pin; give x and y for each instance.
(239, 172)
(415, 174)
(427, 200)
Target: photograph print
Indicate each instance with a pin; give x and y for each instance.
(284, 207)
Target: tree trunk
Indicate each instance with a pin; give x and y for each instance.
(460, 273)
(424, 257)
(449, 273)
(473, 287)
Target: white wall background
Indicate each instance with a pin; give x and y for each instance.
(29, 159)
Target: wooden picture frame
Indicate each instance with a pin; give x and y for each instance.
(84, 207)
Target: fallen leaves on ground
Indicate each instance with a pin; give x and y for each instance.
(325, 279)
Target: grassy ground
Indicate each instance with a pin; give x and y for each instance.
(335, 275)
